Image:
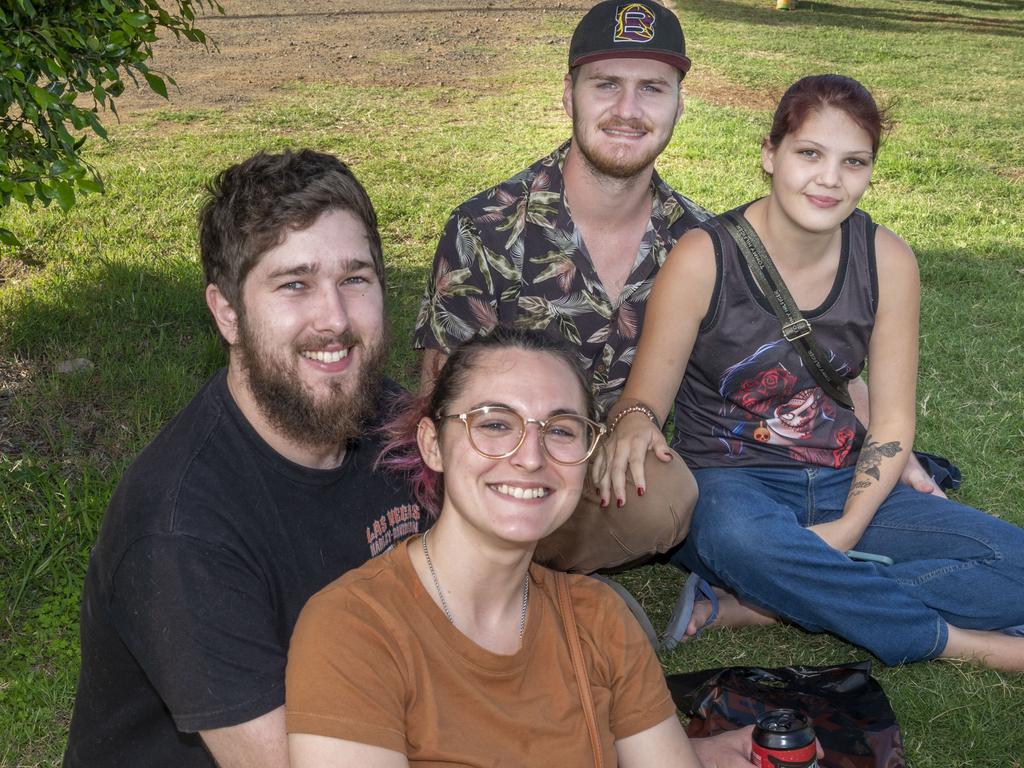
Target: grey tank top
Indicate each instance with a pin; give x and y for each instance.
(746, 398)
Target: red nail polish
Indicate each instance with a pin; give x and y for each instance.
(640, 490)
(620, 503)
(604, 503)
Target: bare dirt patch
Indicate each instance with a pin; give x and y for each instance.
(714, 89)
(263, 45)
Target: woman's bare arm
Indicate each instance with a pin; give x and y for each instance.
(892, 389)
(679, 300)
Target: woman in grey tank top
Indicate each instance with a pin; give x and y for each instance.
(789, 481)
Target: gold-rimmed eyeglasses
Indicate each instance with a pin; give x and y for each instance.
(497, 432)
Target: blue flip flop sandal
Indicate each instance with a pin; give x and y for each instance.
(675, 632)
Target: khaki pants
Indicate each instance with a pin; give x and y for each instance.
(597, 538)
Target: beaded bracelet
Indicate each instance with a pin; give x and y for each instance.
(635, 408)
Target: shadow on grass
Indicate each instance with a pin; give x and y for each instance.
(816, 13)
(147, 333)
(982, 5)
(143, 328)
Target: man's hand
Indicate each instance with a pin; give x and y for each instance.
(915, 476)
(730, 749)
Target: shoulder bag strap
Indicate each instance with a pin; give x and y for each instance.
(795, 328)
(578, 665)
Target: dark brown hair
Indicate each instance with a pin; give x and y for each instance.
(838, 91)
(252, 206)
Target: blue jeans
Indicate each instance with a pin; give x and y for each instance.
(952, 564)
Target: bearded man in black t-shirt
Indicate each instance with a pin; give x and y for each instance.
(260, 492)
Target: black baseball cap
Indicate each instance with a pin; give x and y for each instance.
(620, 29)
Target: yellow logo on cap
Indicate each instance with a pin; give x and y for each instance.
(634, 23)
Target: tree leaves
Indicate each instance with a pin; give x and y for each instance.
(63, 194)
(42, 96)
(51, 53)
(26, 7)
(156, 83)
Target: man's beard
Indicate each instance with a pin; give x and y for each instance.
(611, 165)
(289, 406)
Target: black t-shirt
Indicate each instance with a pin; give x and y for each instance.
(210, 547)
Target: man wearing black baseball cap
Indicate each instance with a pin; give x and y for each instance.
(572, 244)
(637, 30)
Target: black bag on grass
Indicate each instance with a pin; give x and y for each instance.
(851, 715)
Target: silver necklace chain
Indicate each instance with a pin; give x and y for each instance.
(444, 603)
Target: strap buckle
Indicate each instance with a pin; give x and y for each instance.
(796, 330)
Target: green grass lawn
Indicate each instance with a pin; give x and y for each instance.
(117, 281)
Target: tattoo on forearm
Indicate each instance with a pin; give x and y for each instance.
(871, 455)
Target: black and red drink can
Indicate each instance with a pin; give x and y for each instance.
(784, 738)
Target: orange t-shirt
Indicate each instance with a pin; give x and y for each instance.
(375, 660)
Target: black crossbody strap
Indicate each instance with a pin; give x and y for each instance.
(795, 328)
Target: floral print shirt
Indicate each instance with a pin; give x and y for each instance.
(512, 255)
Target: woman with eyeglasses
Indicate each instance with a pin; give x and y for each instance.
(451, 649)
